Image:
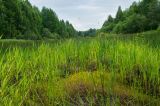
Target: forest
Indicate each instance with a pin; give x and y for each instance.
(21, 20)
(141, 16)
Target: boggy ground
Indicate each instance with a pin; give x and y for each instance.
(85, 71)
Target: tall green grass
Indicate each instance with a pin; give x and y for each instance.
(94, 71)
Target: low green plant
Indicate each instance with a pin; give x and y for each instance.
(86, 71)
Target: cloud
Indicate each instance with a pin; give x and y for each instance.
(84, 14)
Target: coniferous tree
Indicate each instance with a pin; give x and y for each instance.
(50, 19)
(119, 15)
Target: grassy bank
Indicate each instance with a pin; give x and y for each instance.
(94, 71)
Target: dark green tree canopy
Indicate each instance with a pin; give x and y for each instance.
(19, 19)
(91, 32)
(50, 19)
(108, 21)
(141, 16)
(119, 15)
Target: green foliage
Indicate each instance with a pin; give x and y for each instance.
(46, 33)
(108, 28)
(109, 21)
(134, 23)
(141, 16)
(50, 19)
(119, 15)
(19, 17)
(2, 18)
(91, 71)
(90, 32)
(108, 25)
(158, 28)
(70, 29)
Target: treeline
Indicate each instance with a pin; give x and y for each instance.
(89, 33)
(20, 20)
(141, 16)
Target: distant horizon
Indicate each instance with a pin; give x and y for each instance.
(84, 14)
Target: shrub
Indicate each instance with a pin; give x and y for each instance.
(30, 35)
(81, 90)
(47, 34)
(134, 23)
(87, 88)
(119, 28)
(158, 28)
(108, 28)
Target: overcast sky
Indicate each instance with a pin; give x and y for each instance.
(84, 14)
